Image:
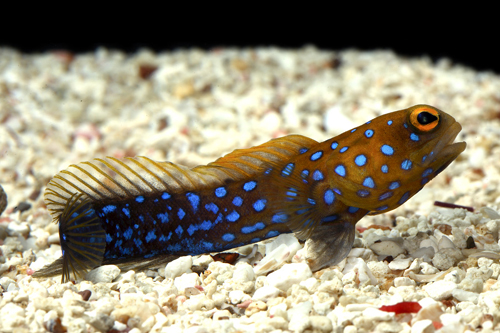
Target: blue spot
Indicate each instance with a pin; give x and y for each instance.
(363, 193)
(383, 207)
(394, 185)
(205, 225)
(369, 133)
(155, 200)
(414, 137)
(127, 250)
(288, 169)
(352, 210)
(423, 158)
(279, 218)
(192, 228)
(207, 246)
(126, 211)
(406, 165)
(329, 218)
(311, 201)
(404, 198)
(150, 236)
(194, 200)
(360, 160)
(255, 240)
(179, 231)
(136, 226)
(317, 155)
(268, 171)
(255, 227)
(138, 242)
(354, 130)
(228, 237)
(219, 218)
(128, 233)
(340, 170)
(368, 122)
(237, 201)
(162, 217)
(303, 150)
(174, 247)
(211, 207)
(181, 213)
(368, 182)
(220, 192)
(424, 181)
(141, 217)
(108, 209)
(163, 238)
(384, 168)
(336, 190)
(292, 192)
(233, 216)
(385, 195)
(139, 199)
(109, 239)
(343, 149)
(405, 125)
(334, 145)
(165, 196)
(317, 175)
(387, 150)
(329, 197)
(272, 233)
(249, 186)
(432, 153)
(259, 205)
(304, 173)
(427, 172)
(389, 122)
(302, 211)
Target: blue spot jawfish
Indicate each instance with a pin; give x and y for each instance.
(134, 211)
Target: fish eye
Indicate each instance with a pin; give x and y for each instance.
(424, 119)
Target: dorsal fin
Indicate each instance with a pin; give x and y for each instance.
(117, 179)
(244, 163)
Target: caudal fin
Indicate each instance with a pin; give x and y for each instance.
(82, 240)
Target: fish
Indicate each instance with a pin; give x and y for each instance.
(138, 213)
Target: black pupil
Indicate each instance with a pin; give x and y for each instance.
(425, 118)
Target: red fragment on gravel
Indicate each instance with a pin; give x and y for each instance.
(403, 307)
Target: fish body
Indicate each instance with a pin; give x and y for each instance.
(137, 212)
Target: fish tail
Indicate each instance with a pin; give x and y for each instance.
(82, 240)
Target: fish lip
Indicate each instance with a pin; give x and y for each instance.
(445, 147)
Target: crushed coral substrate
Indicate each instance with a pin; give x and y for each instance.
(419, 268)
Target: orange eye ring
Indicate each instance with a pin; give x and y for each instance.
(424, 119)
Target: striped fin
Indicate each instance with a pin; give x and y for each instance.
(82, 240)
(111, 179)
(245, 163)
(329, 244)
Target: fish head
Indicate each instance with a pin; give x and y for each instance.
(390, 159)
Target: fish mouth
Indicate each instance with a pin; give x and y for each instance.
(445, 151)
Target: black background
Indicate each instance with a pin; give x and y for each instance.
(467, 39)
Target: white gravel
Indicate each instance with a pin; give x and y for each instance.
(58, 108)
